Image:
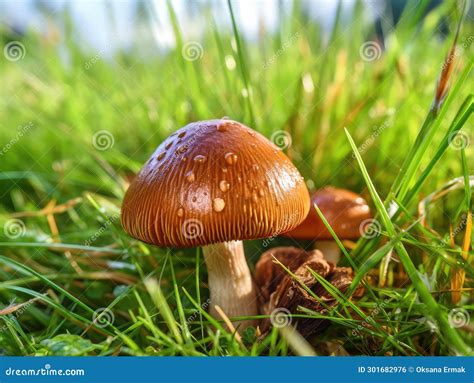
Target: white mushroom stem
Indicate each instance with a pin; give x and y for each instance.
(330, 250)
(230, 282)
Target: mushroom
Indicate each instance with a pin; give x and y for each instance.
(213, 184)
(346, 212)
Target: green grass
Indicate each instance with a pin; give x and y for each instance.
(73, 283)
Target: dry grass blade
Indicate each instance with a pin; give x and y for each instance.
(49, 209)
(13, 308)
(442, 87)
(229, 324)
(457, 281)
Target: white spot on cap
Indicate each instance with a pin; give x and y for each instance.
(200, 159)
(231, 158)
(224, 186)
(218, 204)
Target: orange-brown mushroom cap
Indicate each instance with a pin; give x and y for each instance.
(344, 210)
(214, 181)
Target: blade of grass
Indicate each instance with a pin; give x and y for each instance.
(62, 247)
(459, 275)
(465, 111)
(242, 65)
(297, 343)
(182, 317)
(160, 301)
(336, 238)
(216, 324)
(430, 125)
(198, 289)
(452, 336)
(29, 271)
(62, 310)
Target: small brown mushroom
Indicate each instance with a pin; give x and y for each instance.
(278, 289)
(345, 212)
(213, 184)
